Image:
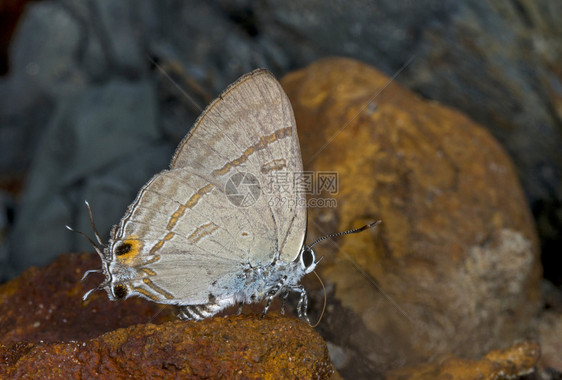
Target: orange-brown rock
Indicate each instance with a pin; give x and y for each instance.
(511, 363)
(46, 331)
(223, 347)
(45, 304)
(456, 256)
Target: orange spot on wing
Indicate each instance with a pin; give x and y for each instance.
(130, 257)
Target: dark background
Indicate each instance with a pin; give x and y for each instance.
(95, 95)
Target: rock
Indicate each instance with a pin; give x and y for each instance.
(454, 267)
(46, 330)
(43, 54)
(550, 333)
(231, 347)
(45, 305)
(497, 61)
(512, 362)
(102, 130)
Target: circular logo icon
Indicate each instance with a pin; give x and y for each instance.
(242, 189)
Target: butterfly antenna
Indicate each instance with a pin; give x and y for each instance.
(325, 300)
(354, 231)
(98, 249)
(98, 238)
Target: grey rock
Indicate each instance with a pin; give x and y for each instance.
(103, 143)
(43, 54)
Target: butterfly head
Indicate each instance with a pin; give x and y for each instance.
(307, 259)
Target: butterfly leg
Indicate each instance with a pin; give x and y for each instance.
(184, 313)
(239, 311)
(270, 296)
(267, 304)
(302, 306)
(283, 302)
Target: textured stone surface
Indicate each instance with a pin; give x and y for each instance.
(550, 332)
(231, 347)
(510, 363)
(46, 330)
(45, 304)
(456, 250)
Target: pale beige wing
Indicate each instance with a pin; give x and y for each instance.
(251, 128)
(185, 239)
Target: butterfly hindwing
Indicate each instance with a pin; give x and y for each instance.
(180, 234)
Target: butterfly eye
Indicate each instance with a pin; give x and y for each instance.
(120, 291)
(307, 257)
(123, 248)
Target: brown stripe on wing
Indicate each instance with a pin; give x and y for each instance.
(145, 293)
(202, 231)
(191, 202)
(260, 145)
(157, 289)
(159, 245)
(148, 271)
(154, 259)
(270, 166)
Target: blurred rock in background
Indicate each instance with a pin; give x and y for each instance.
(454, 267)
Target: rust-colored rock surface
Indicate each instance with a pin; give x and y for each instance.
(511, 363)
(46, 331)
(45, 304)
(224, 347)
(456, 256)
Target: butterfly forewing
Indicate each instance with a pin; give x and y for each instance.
(251, 128)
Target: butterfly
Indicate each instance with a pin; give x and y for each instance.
(226, 223)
